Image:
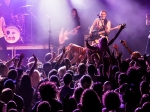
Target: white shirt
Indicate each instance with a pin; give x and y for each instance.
(99, 24)
(2, 24)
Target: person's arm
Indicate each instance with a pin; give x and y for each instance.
(115, 46)
(126, 46)
(93, 26)
(8, 63)
(20, 60)
(121, 28)
(34, 65)
(90, 47)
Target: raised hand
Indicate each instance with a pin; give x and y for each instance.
(119, 55)
(124, 43)
(35, 58)
(115, 46)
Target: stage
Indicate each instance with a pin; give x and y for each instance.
(28, 49)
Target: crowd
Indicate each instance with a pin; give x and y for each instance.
(91, 79)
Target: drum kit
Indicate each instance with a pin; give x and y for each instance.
(16, 29)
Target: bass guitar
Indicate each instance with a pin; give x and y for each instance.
(64, 35)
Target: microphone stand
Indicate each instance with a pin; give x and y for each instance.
(50, 35)
(103, 26)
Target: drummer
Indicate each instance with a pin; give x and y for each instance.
(7, 11)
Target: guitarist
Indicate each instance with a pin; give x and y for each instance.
(101, 24)
(3, 53)
(74, 35)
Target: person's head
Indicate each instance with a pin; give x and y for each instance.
(139, 109)
(136, 54)
(47, 67)
(72, 104)
(47, 90)
(133, 74)
(13, 110)
(74, 13)
(111, 100)
(122, 78)
(107, 86)
(98, 87)
(25, 82)
(125, 66)
(86, 81)
(61, 71)
(3, 70)
(12, 74)
(144, 87)
(92, 70)
(48, 56)
(9, 83)
(77, 110)
(144, 98)
(44, 106)
(77, 93)
(103, 14)
(90, 101)
(11, 105)
(55, 80)
(35, 78)
(6, 95)
(145, 107)
(52, 72)
(103, 43)
(67, 79)
(81, 68)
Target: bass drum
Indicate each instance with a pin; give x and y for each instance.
(13, 34)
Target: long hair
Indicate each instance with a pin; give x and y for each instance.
(77, 16)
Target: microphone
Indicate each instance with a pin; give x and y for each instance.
(47, 16)
(99, 16)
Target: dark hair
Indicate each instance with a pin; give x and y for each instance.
(13, 110)
(81, 68)
(76, 13)
(67, 78)
(44, 106)
(25, 83)
(144, 87)
(77, 93)
(145, 107)
(90, 101)
(132, 74)
(111, 100)
(55, 79)
(12, 74)
(92, 70)
(48, 56)
(47, 90)
(72, 104)
(11, 105)
(122, 78)
(98, 87)
(52, 72)
(87, 79)
(47, 67)
(144, 98)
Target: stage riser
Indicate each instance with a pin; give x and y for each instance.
(40, 53)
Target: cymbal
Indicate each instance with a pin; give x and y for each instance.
(26, 6)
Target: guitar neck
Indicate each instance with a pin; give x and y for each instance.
(110, 30)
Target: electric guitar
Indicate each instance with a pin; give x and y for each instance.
(98, 34)
(64, 35)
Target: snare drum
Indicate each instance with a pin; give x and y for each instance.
(13, 34)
